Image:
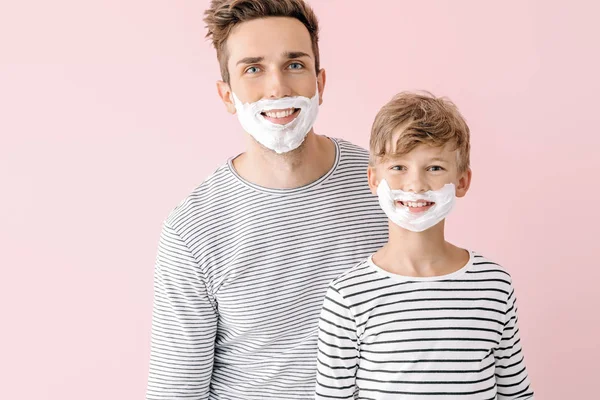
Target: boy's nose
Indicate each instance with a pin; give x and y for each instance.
(415, 185)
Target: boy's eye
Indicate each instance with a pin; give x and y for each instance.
(435, 168)
(398, 167)
(295, 65)
(251, 70)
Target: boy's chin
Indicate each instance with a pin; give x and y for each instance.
(408, 231)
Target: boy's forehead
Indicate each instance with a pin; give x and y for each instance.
(391, 146)
(424, 151)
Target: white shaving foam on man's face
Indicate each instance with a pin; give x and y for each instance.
(281, 138)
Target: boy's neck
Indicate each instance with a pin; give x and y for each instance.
(420, 254)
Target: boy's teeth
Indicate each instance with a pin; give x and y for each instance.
(416, 204)
(279, 114)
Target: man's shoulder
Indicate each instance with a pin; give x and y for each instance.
(351, 151)
(353, 161)
(206, 198)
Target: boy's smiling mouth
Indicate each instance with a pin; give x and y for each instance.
(416, 206)
(281, 117)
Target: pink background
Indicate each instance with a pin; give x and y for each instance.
(109, 116)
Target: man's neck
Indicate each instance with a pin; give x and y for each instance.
(297, 168)
(422, 254)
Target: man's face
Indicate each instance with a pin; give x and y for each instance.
(271, 58)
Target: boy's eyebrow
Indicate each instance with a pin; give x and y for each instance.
(438, 159)
(250, 60)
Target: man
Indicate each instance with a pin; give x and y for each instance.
(244, 262)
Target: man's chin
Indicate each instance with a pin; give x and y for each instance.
(287, 154)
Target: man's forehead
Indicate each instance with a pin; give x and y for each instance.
(269, 38)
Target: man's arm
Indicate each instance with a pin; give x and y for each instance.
(511, 374)
(337, 359)
(184, 324)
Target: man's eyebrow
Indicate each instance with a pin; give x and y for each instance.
(295, 54)
(250, 60)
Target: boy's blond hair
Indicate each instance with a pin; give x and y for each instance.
(412, 119)
(223, 15)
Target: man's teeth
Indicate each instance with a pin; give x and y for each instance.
(279, 114)
(415, 204)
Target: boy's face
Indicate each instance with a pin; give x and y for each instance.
(270, 58)
(422, 169)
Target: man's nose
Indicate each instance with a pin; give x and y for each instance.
(277, 86)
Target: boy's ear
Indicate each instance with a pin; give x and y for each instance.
(464, 183)
(373, 181)
(226, 96)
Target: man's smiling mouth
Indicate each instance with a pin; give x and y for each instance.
(281, 116)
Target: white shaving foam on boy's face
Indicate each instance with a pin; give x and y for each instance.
(281, 138)
(443, 200)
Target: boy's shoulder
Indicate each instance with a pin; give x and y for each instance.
(481, 265)
(352, 276)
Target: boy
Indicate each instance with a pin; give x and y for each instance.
(420, 318)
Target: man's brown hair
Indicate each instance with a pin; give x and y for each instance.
(223, 15)
(412, 119)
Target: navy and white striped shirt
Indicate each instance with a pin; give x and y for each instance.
(240, 277)
(384, 336)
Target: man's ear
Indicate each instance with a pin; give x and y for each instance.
(464, 183)
(373, 181)
(321, 79)
(226, 96)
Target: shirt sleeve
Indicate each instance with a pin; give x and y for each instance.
(511, 375)
(184, 324)
(338, 352)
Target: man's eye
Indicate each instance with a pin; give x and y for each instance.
(295, 66)
(251, 70)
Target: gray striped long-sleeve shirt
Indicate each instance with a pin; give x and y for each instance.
(384, 336)
(240, 277)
